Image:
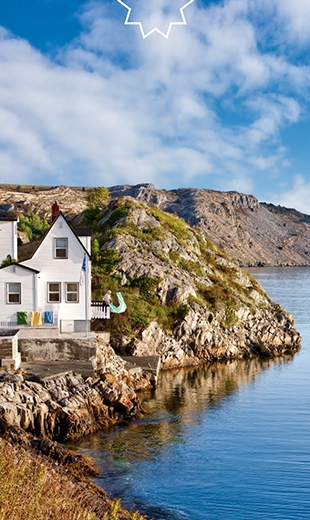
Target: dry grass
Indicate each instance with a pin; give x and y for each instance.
(32, 488)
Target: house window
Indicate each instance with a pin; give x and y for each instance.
(13, 292)
(61, 248)
(72, 292)
(53, 292)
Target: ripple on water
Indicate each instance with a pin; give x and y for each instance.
(227, 442)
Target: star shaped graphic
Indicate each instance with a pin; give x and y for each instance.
(154, 15)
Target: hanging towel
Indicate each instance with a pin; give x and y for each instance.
(22, 318)
(48, 317)
(122, 305)
(36, 320)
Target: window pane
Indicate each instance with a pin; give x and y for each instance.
(61, 253)
(72, 287)
(14, 287)
(13, 298)
(72, 297)
(61, 243)
(54, 297)
(54, 287)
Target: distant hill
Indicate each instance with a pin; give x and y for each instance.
(251, 232)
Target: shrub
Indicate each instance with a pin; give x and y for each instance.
(97, 197)
(32, 225)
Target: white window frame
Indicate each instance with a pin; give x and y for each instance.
(9, 292)
(72, 292)
(49, 292)
(58, 248)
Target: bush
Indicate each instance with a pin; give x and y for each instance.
(32, 225)
(97, 198)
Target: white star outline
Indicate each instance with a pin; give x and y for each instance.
(165, 35)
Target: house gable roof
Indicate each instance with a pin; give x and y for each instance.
(17, 264)
(32, 251)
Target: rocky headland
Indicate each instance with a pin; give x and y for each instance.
(188, 301)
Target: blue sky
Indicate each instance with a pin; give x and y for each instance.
(222, 103)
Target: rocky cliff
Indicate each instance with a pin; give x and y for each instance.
(251, 232)
(187, 301)
(65, 407)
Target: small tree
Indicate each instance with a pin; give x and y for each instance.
(97, 197)
(32, 225)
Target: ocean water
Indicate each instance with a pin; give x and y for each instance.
(227, 442)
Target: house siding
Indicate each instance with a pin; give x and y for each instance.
(27, 279)
(62, 270)
(8, 239)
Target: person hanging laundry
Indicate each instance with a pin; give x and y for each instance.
(106, 302)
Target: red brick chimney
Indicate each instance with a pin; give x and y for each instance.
(55, 210)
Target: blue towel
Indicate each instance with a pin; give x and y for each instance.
(48, 317)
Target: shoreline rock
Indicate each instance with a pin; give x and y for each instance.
(65, 407)
(200, 337)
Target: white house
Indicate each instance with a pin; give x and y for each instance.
(51, 289)
(8, 238)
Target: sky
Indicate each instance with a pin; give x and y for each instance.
(98, 93)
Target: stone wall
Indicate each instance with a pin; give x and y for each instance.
(62, 349)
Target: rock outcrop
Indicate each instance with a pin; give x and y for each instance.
(220, 311)
(200, 337)
(67, 406)
(252, 232)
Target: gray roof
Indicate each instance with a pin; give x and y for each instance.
(8, 332)
(83, 232)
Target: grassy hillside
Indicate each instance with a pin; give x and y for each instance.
(170, 248)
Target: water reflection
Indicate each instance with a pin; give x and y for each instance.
(175, 406)
(225, 441)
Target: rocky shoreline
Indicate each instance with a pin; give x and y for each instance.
(68, 406)
(36, 414)
(200, 337)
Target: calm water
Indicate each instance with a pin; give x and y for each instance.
(228, 442)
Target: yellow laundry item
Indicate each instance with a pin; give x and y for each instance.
(36, 319)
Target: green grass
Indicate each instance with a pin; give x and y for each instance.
(172, 223)
(224, 293)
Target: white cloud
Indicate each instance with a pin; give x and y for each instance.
(294, 18)
(117, 109)
(297, 197)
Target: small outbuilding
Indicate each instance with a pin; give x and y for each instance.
(9, 355)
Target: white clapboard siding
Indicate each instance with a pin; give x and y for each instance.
(8, 239)
(27, 278)
(62, 270)
(86, 241)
